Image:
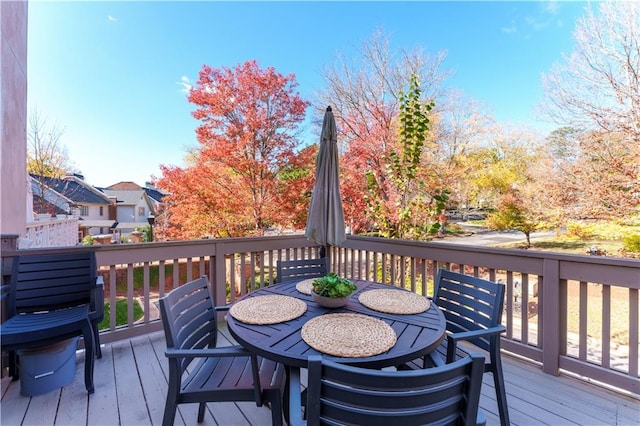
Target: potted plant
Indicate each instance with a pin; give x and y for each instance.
(332, 291)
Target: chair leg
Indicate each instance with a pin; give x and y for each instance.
(276, 409)
(169, 417)
(13, 366)
(501, 395)
(89, 354)
(201, 409)
(96, 336)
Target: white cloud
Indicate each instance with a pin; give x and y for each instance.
(549, 10)
(185, 82)
(511, 29)
(111, 18)
(551, 7)
(537, 24)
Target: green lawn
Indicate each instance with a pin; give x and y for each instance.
(579, 237)
(568, 245)
(121, 313)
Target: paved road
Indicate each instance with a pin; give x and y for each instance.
(479, 236)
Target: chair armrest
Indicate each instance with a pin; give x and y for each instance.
(4, 291)
(454, 338)
(227, 351)
(295, 395)
(223, 308)
(468, 335)
(97, 299)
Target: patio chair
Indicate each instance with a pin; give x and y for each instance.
(198, 371)
(53, 297)
(341, 394)
(473, 309)
(301, 269)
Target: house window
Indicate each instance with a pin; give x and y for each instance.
(84, 210)
(101, 211)
(141, 212)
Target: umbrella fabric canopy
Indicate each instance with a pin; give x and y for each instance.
(325, 222)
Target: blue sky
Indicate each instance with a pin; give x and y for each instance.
(112, 74)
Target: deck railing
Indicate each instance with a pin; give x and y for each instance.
(572, 313)
(59, 232)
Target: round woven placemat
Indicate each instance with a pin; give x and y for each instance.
(305, 286)
(271, 309)
(394, 301)
(348, 335)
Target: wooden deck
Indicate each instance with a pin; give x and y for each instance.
(130, 388)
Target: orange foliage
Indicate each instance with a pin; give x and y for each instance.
(233, 185)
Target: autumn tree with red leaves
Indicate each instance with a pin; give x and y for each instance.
(238, 180)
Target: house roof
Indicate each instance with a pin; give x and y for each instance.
(155, 194)
(40, 205)
(126, 197)
(131, 225)
(96, 223)
(74, 189)
(125, 186)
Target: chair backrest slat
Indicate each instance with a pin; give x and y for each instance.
(301, 269)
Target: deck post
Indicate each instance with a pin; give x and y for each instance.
(551, 306)
(218, 280)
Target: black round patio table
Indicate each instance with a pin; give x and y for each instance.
(417, 334)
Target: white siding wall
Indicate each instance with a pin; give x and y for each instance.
(142, 204)
(126, 214)
(94, 212)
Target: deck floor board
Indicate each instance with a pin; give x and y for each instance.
(131, 379)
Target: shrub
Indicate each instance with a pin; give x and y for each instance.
(580, 230)
(631, 243)
(87, 240)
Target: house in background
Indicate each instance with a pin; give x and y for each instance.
(156, 196)
(133, 206)
(108, 214)
(72, 196)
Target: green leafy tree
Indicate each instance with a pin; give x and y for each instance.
(398, 201)
(512, 214)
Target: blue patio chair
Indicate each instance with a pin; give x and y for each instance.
(340, 394)
(473, 310)
(200, 372)
(53, 297)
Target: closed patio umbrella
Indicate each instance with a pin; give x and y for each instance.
(325, 222)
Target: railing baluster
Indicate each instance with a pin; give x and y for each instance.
(509, 306)
(129, 294)
(524, 306)
(176, 273)
(583, 318)
(161, 278)
(145, 285)
(201, 266)
(189, 269)
(112, 296)
(633, 332)
(606, 326)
